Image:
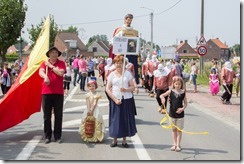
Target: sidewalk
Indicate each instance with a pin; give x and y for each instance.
(213, 106)
(205, 91)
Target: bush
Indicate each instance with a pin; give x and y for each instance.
(204, 78)
(12, 57)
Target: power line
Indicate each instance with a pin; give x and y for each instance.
(169, 8)
(113, 20)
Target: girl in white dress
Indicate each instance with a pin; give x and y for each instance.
(92, 126)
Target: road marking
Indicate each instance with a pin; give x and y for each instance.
(68, 98)
(72, 122)
(140, 149)
(76, 130)
(82, 107)
(78, 121)
(28, 149)
(30, 146)
(83, 100)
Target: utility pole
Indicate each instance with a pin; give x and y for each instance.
(151, 19)
(202, 34)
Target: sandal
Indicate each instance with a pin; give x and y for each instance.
(125, 145)
(113, 144)
(178, 148)
(173, 148)
(163, 111)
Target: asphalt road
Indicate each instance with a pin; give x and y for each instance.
(152, 142)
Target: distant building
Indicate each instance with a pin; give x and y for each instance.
(99, 48)
(168, 52)
(185, 51)
(216, 50)
(145, 49)
(69, 44)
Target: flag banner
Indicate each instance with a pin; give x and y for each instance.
(24, 97)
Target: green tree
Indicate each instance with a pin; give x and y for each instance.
(236, 49)
(34, 31)
(103, 38)
(71, 29)
(12, 17)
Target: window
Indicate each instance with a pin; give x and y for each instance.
(226, 52)
(94, 49)
(184, 51)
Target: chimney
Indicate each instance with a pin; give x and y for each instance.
(185, 41)
(181, 41)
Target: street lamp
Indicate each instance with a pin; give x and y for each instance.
(20, 44)
(151, 19)
(66, 53)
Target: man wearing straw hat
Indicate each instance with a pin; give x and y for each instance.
(52, 71)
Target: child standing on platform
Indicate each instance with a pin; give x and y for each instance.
(92, 126)
(178, 103)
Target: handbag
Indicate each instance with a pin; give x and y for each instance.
(84, 74)
(67, 78)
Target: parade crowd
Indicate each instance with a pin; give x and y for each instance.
(121, 75)
(163, 80)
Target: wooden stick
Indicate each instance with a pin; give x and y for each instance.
(228, 89)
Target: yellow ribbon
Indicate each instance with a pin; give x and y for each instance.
(164, 119)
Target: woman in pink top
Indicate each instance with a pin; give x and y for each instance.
(76, 69)
(82, 72)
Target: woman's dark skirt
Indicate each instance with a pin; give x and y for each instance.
(122, 119)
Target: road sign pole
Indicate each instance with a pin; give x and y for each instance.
(202, 33)
(201, 50)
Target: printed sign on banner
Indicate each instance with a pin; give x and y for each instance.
(126, 45)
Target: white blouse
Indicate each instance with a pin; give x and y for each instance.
(117, 84)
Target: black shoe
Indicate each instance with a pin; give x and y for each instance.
(221, 99)
(113, 144)
(125, 145)
(58, 141)
(47, 141)
(228, 103)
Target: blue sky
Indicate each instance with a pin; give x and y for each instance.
(174, 20)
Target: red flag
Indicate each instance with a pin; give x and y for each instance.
(24, 97)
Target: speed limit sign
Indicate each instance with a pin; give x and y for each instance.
(202, 50)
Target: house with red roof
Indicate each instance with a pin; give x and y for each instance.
(185, 51)
(70, 44)
(216, 50)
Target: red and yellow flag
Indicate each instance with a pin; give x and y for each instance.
(24, 97)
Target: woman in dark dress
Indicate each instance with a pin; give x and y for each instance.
(121, 113)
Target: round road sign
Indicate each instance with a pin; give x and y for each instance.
(202, 50)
